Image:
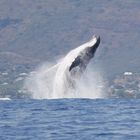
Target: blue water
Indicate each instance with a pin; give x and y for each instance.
(70, 119)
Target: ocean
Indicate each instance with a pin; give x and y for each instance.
(70, 119)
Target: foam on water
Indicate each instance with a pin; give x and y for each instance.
(50, 82)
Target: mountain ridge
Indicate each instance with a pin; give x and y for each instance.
(43, 30)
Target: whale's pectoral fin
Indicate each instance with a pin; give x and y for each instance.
(75, 63)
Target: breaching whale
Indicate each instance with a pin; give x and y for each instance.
(72, 66)
(64, 79)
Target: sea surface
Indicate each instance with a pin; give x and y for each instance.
(70, 119)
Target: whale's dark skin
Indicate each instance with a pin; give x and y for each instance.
(83, 59)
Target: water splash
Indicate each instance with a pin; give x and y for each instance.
(41, 84)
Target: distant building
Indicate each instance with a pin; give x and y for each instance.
(23, 74)
(4, 84)
(5, 73)
(128, 73)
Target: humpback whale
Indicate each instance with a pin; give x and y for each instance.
(64, 79)
(73, 65)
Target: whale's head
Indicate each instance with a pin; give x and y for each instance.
(90, 48)
(85, 54)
